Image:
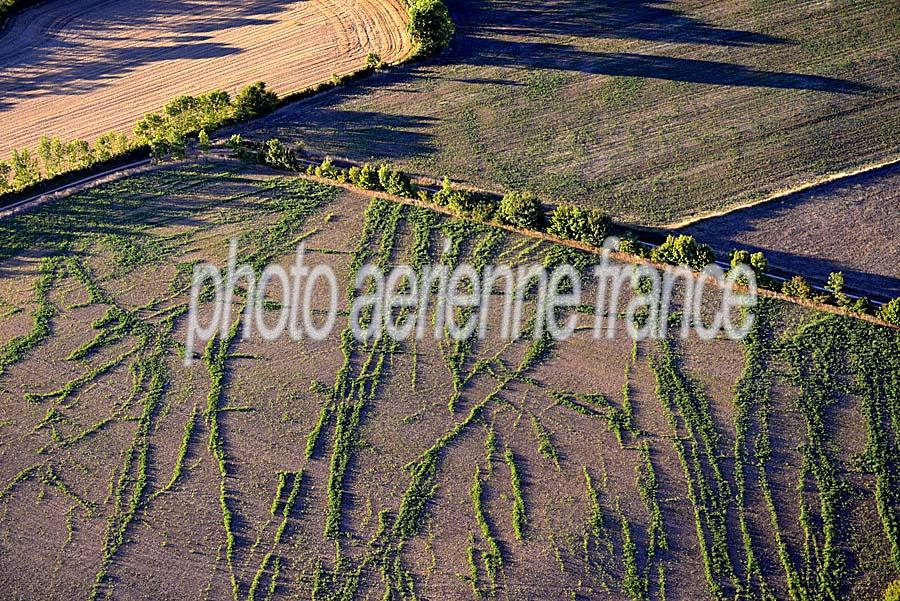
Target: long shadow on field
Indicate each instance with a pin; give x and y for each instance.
(478, 43)
(62, 55)
(849, 226)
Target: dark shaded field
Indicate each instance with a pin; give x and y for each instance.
(851, 226)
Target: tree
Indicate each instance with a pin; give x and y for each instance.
(759, 263)
(78, 154)
(835, 286)
(255, 100)
(25, 168)
(430, 26)
(110, 145)
(279, 156)
(521, 209)
(5, 170)
(683, 250)
(203, 140)
(395, 181)
(891, 314)
(892, 593)
(373, 62)
(589, 226)
(366, 177)
(50, 156)
(797, 287)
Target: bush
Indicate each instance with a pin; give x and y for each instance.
(891, 314)
(892, 593)
(797, 287)
(255, 100)
(472, 204)
(683, 250)
(279, 156)
(374, 62)
(365, 177)
(588, 226)
(203, 140)
(327, 170)
(630, 246)
(430, 26)
(521, 209)
(395, 182)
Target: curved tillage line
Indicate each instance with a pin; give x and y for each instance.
(79, 74)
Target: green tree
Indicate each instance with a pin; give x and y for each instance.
(50, 155)
(891, 314)
(521, 209)
(203, 140)
(683, 250)
(395, 181)
(25, 168)
(430, 26)
(835, 286)
(255, 100)
(110, 145)
(797, 287)
(589, 226)
(373, 62)
(279, 156)
(5, 170)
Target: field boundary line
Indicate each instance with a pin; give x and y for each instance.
(615, 255)
(784, 193)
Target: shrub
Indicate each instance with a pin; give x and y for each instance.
(430, 26)
(327, 169)
(835, 286)
(203, 140)
(255, 100)
(630, 246)
(5, 170)
(235, 142)
(395, 182)
(521, 209)
(891, 314)
(683, 250)
(25, 168)
(797, 287)
(278, 155)
(110, 145)
(373, 62)
(892, 593)
(366, 177)
(472, 204)
(582, 225)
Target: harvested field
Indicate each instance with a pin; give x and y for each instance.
(849, 226)
(77, 71)
(430, 469)
(652, 110)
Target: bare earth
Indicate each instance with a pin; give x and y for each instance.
(848, 226)
(79, 71)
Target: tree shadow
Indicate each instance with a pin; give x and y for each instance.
(817, 231)
(64, 57)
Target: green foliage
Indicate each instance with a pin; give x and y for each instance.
(365, 177)
(394, 181)
(203, 140)
(25, 169)
(493, 559)
(374, 62)
(430, 26)
(588, 226)
(797, 287)
(892, 592)
(890, 312)
(279, 156)
(519, 518)
(327, 169)
(254, 101)
(683, 250)
(521, 209)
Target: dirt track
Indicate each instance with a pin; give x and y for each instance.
(76, 72)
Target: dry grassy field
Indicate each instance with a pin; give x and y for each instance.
(583, 469)
(653, 110)
(78, 70)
